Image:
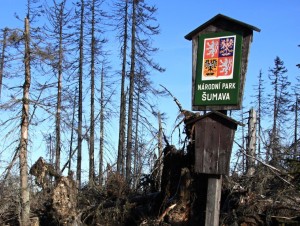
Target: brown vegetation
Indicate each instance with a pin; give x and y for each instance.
(262, 199)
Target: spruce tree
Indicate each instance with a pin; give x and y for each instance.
(279, 102)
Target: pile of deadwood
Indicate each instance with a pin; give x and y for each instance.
(265, 198)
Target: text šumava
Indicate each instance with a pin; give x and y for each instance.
(216, 86)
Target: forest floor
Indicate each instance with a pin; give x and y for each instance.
(265, 198)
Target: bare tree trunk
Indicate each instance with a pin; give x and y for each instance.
(101, 149)
(59, 91)
(160, 149)
(122, 122)
(2, 60)
(123, 153)
(72, 133)
(251, 143)
(25, 201)
(80, 74)
(51, 151)
(92, 119)
(260, 90)
(136, 141)
(131, 94)
(274, 154)
(296, 129)
(243, 143)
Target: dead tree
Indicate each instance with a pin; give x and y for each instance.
(25, 201)
(251, 146)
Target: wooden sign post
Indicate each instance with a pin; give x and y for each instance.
(214, 186)
(214, 135)
(220, 57)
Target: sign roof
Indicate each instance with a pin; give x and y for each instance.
(217, 113)
(215, 20)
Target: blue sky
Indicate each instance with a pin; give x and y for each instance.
(279, 36)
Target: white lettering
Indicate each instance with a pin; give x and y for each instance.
(210, 86)
(231, 85)
(228, 85)
(215, 96)
(204, 96)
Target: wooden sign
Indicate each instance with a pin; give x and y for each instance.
(220, 56)
(214, 135)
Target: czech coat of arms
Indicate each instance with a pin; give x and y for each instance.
(218, 58)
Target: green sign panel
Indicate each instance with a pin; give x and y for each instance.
(218, 69)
